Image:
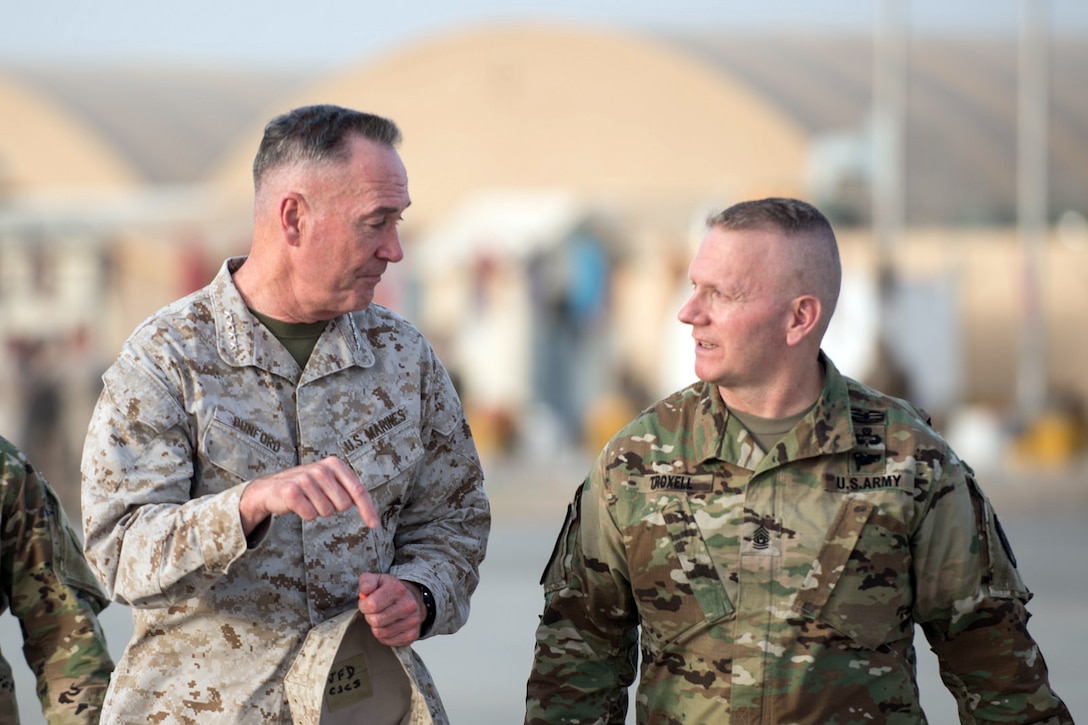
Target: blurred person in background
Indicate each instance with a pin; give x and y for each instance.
(274, 452)
(777, 529)
(48, 586)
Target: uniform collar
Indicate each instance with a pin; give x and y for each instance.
(243, 341)
(826, 429)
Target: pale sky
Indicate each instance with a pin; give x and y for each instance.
(323, 33)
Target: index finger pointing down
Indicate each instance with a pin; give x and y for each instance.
(365, 504)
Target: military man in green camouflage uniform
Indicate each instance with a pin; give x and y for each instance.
(777, 530)
(46, 582)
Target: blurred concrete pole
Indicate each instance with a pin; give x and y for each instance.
(1031, 177)
(889, 104)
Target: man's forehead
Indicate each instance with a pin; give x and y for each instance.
(733, 259)
(375, 176)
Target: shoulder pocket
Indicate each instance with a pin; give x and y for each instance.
(557, 571)
(69, 562)
(135, 412)
(998, 562)
(141, 396)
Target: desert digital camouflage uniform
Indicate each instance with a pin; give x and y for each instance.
(46, 582)
(204, 399)
(783, 588)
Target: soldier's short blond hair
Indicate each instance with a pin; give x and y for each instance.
(817, 257)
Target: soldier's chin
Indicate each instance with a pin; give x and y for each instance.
(705, 373)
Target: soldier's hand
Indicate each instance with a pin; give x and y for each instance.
(314, 490)
(393, 608)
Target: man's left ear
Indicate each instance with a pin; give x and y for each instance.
(804, 318)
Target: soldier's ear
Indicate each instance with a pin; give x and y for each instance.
(805, 314)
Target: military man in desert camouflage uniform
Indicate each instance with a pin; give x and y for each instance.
(777, 529)
(275, 451)
(46, 582)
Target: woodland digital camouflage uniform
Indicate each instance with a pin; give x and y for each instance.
(202, 400)
(46, 582)
(783, 588)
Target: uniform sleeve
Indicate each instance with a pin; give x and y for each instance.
(442, 532)
(150, 543)
(586, 643)
(54, 595)
(971, 603)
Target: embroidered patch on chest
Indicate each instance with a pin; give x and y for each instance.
(673, 483)
(865, 483)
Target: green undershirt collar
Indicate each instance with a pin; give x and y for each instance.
(299, 338)
(768, 431)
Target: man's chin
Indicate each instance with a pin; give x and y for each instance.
(359, 300)
(347, 306)
(705, 372)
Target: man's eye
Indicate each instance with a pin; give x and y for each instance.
(384, 222)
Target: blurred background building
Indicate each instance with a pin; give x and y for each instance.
(560, 176)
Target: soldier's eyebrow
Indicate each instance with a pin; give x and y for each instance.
(386, 211)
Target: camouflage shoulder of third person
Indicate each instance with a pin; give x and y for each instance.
(54, 594)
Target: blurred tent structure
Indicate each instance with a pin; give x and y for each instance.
(560, 176)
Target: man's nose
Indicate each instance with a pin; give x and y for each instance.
(391, 248)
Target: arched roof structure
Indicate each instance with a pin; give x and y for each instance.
(601, 115)
(960, 116)
(44, 147)
(472, 100)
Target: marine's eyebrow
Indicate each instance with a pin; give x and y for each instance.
(387, 210)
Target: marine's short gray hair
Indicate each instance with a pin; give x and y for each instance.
(315, 134)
